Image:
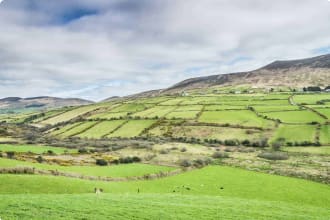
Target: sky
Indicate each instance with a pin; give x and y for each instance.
(94, 49)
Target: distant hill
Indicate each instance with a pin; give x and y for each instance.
(17, 104)
(290, 73)
(293, 73)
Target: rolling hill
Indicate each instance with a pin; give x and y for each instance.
(17, 104)
(291, 73)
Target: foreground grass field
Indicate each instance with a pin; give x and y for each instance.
(210, 193)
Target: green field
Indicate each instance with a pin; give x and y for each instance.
(275, 108)
(60, 130)
(324, 111)
(109, 115)
(295, 116)
(310, 98)
(209, 132)
(35, 149)
(223, 107)
(325, 134)
(182, 114)
(158, 111)
(101, 129)
(240, 117)
(214, 192)
(132, 128)
(295, 133)
(78, 129)
(66, 116)
(311, 150)
(126, 170)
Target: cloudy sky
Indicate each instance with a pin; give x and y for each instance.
(95, 49)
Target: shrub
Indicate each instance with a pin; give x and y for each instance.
(231, 142)
(134, 159)
(274, 155)
(276, 145)
(101, 162)
(164, 151)
(201, 162)
(185, 163)
(39, 159)
(82, 151)
(246, 143)
(183, 149)
(218, 155)
(10, 154)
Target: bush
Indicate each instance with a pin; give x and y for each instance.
(276, 146)
(134, 159)
(82, 151)
(183, 149)
(218, 155)
(101, 162)
(185, 163)
(231, 142)
(39, 159)
(274, 155)
(10, 154)
(164, 151)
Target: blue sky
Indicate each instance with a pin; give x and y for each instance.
(95, 49)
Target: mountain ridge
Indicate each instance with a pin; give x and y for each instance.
(39, 102)
(314, 71)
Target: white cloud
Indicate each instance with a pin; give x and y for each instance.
(123, 47)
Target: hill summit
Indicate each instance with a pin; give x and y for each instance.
(291, 73)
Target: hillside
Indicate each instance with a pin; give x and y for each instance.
(17, 104)
(293, 73)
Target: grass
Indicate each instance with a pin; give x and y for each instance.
(101, 129)
(70, 114)
(220, 133)
(239, 117)
(37, 149)
(151, 206)
(310, 98)
(125, 170)
(295, 116)
(244, 195)
(295, 133)
(275, 108)
(223, 107)
(132, 128)
(183, 114)
(324, 111)
(311, 150)
(109, 115)
(130, 107)
(78, 129)
(157, 111)
(65, 128)
(325, 134)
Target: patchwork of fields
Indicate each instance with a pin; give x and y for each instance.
(277, 116)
